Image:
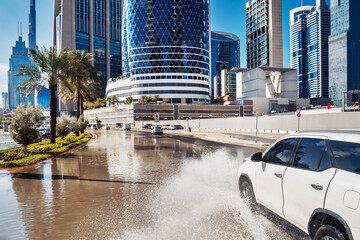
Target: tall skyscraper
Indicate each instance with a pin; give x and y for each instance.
(264, 33)
(19, 56)
(93, 26)
(32, 25)
(5, 100)
(344, 49)
(309, 32)
(225, 54)
(166, 48)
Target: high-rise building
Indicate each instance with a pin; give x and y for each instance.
(344, 49)
(264, 33)
(93, 26)
(225, 54)
(19, 56)
(309, 32)
(32, 25)
(166, 48)
(5, 100)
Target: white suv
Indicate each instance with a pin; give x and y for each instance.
(311, 179)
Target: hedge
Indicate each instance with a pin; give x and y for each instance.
(16, 157)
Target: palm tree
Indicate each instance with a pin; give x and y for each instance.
(83, 79)
(52, 69)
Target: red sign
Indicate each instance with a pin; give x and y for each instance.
(329, 105)
(115, 108)
(257, 111)
(298, 114)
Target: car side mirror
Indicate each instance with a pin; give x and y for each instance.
(256, 157)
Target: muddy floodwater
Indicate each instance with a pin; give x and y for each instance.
(127, 185)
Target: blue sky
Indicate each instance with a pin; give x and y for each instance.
(226, 15)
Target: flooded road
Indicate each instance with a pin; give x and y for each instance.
(126, 185)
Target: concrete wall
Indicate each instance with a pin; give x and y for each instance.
(280, 123)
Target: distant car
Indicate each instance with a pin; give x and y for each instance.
(127, 126)
(157, 131)
(147, 126)
(172, 127)
(46, 133)
(1, 127)
(178, 127)
(310, 179)
(94, 127)
(166, 126)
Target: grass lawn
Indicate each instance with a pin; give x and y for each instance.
(16, 157)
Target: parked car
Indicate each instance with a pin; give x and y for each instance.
(172, 127)
(94, 127)
(127, 126)
(166, 126)
(312, 180)
(46, 132)
(179, 127)
(1, 126)
(147, 126)
(157, 131)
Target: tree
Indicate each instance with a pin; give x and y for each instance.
(88, 105)
(53, 69)
(155, 98)
(98, 121)
(112, 100)
(129, 100)
(23, 125)
(63, 126)
(82, 124)
(145, 99)
(83, 81)
(99, 103)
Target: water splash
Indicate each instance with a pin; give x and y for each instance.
(201, 202)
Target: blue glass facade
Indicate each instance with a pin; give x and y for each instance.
(32, 25)
(225, 53)
(162, 36)
(43, 98)
(104, 58)
(344, 49)
(19, 57)
(309, 30)
(167, 43)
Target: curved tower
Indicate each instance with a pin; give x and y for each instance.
(166, 51)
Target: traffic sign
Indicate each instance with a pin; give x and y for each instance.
(298, 114)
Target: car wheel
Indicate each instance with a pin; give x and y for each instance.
(328, 232)
(247, 194)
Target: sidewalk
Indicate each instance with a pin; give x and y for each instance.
(246, 139)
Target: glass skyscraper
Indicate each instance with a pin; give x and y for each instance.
(19, 56)
(165, 51)
(264, 33)
(93, 26)
(309, 32)
(344, 49)
(225, 54)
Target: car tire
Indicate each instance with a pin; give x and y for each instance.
(247, 194)
(328, 232)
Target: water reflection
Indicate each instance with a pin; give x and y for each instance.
(122, 182)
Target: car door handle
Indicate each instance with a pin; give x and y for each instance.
(317, 187)
(279, 175)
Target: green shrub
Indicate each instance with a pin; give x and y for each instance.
(16, 157)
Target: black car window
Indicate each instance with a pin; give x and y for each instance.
(325, 162)
(347, 155)
(309, 154)
(280, 152)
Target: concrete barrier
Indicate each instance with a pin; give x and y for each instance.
(275, 124)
